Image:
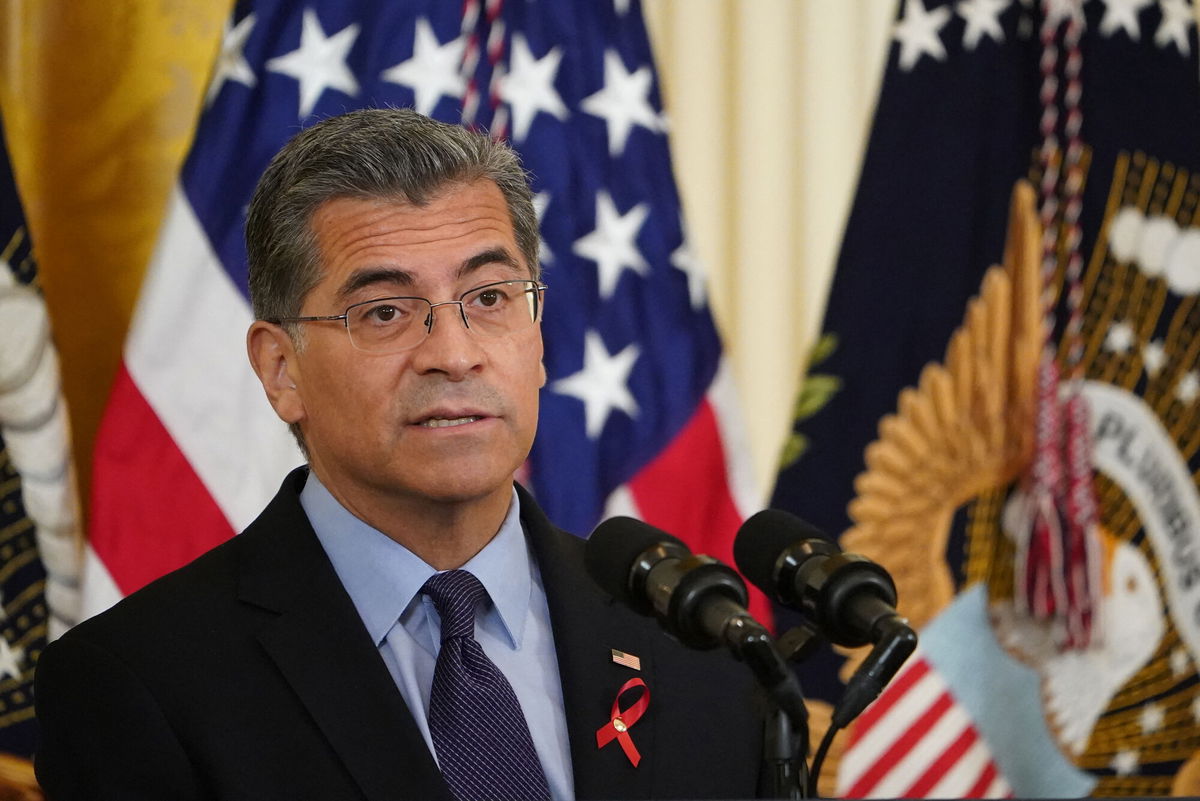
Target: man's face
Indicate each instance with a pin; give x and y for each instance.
(448, 420)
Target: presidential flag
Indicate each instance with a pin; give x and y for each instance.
(929, 422)
(637, 415)
(39, 592)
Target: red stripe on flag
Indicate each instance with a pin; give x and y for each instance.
(985, 780)
(685, 491)
(943, 763)
(898, 749)
(891, 694)
(150, 513)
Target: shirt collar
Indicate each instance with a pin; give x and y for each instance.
(383, 577)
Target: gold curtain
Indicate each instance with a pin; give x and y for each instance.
(100, 98)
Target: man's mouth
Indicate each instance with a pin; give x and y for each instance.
(447, 422)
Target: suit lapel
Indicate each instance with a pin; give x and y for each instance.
(323, 651)
(587, 627)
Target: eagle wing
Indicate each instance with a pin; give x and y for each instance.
(965, 428)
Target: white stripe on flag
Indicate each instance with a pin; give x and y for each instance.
(997, 789)
(966, 771)
(921, 756)
(747, 495)
(620, 503)
(98, 591)
(186, 352)
(874, 742)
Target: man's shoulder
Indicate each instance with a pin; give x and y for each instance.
(168, 608)
(203, 590)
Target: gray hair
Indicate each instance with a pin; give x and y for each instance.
(392, 154)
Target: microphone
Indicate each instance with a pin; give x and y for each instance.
(851, 599)
(696, 598)
(699, 600)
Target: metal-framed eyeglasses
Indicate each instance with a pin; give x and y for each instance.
(389, 325)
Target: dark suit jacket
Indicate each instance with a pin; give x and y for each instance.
(249, 675)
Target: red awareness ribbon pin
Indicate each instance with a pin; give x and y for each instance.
(623, 720)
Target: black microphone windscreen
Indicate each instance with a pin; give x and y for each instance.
(613, 548)
(762, 538)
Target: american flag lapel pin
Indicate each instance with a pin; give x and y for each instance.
(628, 660)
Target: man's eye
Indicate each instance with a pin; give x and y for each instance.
(493, 298)
(383, 314)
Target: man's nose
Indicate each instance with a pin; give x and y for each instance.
(448, 348)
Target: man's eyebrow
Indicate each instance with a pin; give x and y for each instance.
(368, 276)
(490, 256)
(373, 275)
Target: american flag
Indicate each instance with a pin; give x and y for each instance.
(638, 415)
(917, 741)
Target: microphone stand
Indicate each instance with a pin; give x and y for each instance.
(784, 770)
(704, 604)
(785, 742)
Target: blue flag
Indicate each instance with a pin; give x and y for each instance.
(960, 119)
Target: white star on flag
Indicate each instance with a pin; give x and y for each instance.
(10, 659)
(231, 63)
(541, 201)
(602, 384)
(319, 63)
(1122, 15)
(684, 259)
(983, 19)
(917, 33)
(1176, 17)
(433, 69)
(623, 102)
(612, 244)
(528, 86)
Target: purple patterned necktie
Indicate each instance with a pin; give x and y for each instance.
(479, 732)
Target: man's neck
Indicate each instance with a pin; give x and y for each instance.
(444, 534)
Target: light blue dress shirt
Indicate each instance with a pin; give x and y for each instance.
(384, 580)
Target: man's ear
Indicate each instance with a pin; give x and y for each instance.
(273, 357)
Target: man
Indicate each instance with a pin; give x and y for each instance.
(325, 652)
